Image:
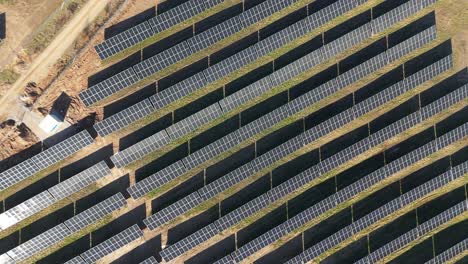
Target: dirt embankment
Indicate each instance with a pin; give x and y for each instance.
(68, 75)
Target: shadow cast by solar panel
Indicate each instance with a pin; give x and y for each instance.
(123, 25)
(20, 156)
(412, 29)
(145, 132)
(214, 252)
(2, 26)
(168, 4)
(9, 242)
(166, 42)
(115, 68)
(150, 248)
(218, 18)
(127, 101)
(183, 73)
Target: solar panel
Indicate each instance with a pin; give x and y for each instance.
(108, 87)
(150, 260)
(172, 211)
(162, 60)
(347, 41)
(231, 64)
(362, 70)
(226, 260)
(450, 253)
(243, 212)
(395, 128)
(297, 67)
(176, 15)
(427, 73)
(293, 184)
(211, 150)
(426, 188)
(124, 40)
(189, 242)
(62, 150)
(26, 209)
(410, 158)
(262, 123)
(178, 91)
(327, 244)
(263, 10)
(140, 149)
(39, 243)
(112, 244)
(445, 102)
(124, 118)
(246, 94)
(460, 170)
(4, 258)
(194, 121)
(330, 12)
(413, 234)
(395, 15)
(96, 212)
(156, 180)
(225, 182)
(281, 38)
(411, 44)
(379, 99)
(17, 173)
(76, 260)
(80, 181)
(452, 136)
(277, 153)
(328, 126)
(215, 34)
(258, 243)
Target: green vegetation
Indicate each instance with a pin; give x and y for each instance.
(8, 76)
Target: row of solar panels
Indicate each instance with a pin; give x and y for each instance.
(180, 51)
(60, 232)
(450, 253)
(231, 64)
(44, 159)
(153, 26)
(350, 191)
(262, 86)
(189, 202)
(310, 174)
(54, 194)
(278, 115)
(182, 89)
(415, 233)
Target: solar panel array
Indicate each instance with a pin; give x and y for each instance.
(445, 102)
(140, 149)
(333, 200)
(96, 212)
(146, 29)
(415, 233)
(194, 121)
(39, 243)
(171, 212)
(76, 260)
(44, 159)
(150, 260)
(112, 244)
(280, 113)
(412, 43)
(263, 10)
(401, 12)
(200, 236)
(26, 209)
(124, 118)
(80, 181)
(450, 253)
(157, 180)
(376, 215)
(209, 37)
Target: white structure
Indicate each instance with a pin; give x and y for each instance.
(50, 124)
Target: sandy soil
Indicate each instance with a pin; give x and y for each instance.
(23, 18)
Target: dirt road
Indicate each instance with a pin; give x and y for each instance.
(9, 104)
